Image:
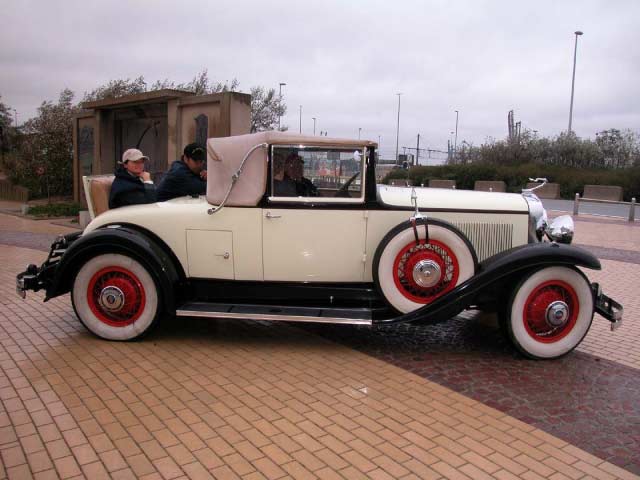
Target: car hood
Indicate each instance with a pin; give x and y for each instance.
(447, 199)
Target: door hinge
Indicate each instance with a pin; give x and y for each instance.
(364, 258)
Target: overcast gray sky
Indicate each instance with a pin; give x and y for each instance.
(344, 62)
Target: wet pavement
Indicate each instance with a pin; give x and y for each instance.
(225, 399)
(583, 399)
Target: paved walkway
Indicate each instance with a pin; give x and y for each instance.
(203, 399)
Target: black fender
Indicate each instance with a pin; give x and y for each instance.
(492, 270)
(123, 240)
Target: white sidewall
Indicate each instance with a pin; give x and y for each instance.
(400, 241)
(94, 324)
(583, 322)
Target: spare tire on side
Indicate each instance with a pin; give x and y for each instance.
(411, 274)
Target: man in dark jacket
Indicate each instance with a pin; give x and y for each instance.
(132, 185)
(186, 176)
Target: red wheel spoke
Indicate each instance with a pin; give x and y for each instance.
(437, 254)
(536, 311)
(122, 286)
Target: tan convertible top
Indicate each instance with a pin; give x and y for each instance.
(224, 156)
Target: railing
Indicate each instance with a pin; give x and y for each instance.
(8, 191)
(632, 204)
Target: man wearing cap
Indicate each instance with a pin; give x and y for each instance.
(132, 185)
(186, 176)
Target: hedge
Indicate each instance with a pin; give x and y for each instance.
(571, 180)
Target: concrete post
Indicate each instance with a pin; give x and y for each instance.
(576, 204)
(632, 210)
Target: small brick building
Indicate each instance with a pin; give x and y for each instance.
(160, 123)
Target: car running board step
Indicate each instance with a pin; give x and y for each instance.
(351, 316)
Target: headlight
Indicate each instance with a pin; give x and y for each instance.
(561, 229)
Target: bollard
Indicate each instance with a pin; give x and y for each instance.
(632, 210)
(576, 204)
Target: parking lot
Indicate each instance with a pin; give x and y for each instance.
(253, 400)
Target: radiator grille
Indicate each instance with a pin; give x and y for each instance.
(488, 238)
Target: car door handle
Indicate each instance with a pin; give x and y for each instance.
(270, 215)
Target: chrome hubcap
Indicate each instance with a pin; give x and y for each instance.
(426, 273)
(557, 314)
(111, 299)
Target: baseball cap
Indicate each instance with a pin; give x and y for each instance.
(196, 151)
(133, 154)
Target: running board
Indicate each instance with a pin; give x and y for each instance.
(349, 316)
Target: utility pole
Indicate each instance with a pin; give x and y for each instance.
(15, 113)
(398, 127)
(279, 116)
(359, 132)
(300, 118)
(573, 79)
(455, 144)
(314, 126)
(418, 151)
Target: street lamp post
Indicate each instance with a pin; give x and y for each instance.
(280, 93)
(300, 118)
(398, 127)
(573, 79)
(15, 114)
(314, 126)
(359, 131)
(455, 142)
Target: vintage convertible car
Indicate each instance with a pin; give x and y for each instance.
(294, 228)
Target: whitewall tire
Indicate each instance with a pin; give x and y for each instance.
(412, 274)
(115, 297)
(550, 312)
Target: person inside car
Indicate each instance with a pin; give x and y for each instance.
(294, 169)
(132, 185)
(283, 186)
(186, 176)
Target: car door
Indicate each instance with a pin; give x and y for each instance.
(314, 226)
(313, 245)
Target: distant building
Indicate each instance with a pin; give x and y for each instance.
(160, 123)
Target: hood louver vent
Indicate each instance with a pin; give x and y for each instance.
(488, 238)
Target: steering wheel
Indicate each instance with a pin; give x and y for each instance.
(344, 189)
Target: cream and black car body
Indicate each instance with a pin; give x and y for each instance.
(341, 250)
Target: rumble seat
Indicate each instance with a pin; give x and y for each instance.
(96, 190)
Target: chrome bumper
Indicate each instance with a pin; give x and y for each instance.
(607, 307)
(28, 280)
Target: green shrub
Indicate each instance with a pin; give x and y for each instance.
(571, 180)
(56, 210)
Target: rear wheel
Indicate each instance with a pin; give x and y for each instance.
(550, 312)
(115, 297)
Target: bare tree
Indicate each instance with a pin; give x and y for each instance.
(200, 85)
(5, 126)
(116, 88)
(266, 108)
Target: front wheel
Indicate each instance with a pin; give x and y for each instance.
(115, 297)
(550, 312)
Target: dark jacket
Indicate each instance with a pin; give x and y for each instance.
(129, 190)
(180, 181)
